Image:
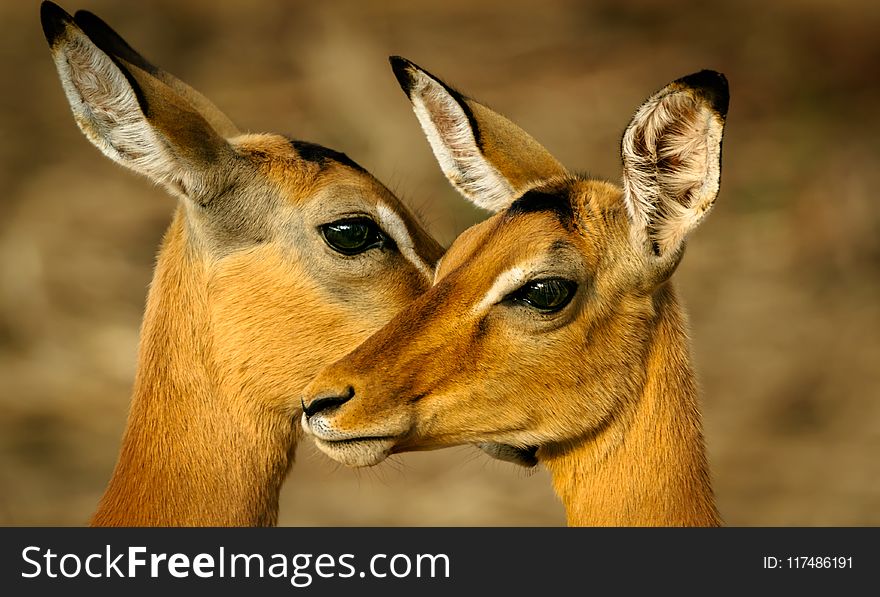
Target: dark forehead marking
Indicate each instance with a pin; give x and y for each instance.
(312, 152)
(556, 202)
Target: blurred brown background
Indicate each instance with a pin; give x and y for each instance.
(781, 282)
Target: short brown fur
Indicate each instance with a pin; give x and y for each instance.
(247, 301)
(603, 387)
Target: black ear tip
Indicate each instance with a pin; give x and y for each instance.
(712, 86)
(397, 61)
(84, 18)
(91, 25)
(403, 71)
(110, 42)
(54, 20)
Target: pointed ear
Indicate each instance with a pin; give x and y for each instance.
(103, 36)
(133, 117)
(490, 160)
(672, 161)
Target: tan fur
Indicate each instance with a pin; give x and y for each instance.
(520, 159)
(603, 388)
(247, 301)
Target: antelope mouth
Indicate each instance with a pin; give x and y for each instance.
(357, 451)
(349, 448)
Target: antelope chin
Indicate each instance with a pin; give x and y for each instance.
(345, 447)
(357, 452)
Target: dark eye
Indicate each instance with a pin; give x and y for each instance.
(548, 295)
(353, 236)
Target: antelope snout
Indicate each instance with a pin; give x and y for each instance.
(325, 401)
(352, 418)
(322, 400)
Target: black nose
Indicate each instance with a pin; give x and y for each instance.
(322, 403)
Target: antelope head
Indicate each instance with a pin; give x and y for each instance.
(538, 328)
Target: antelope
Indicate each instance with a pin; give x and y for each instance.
(553, 326)
(282, 256)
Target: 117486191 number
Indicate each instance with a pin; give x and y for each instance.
(799, 562)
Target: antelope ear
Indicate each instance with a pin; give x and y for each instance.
(672, 161)
(487, 158)
(135, 118)
(113, 44)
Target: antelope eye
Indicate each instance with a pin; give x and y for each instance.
(547, 295)
(352, 236)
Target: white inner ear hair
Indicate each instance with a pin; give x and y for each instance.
(449, 132)
(672, 167)
(393, 224)
(107, 111)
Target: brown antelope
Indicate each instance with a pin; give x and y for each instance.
(553, 326)
(281, 257)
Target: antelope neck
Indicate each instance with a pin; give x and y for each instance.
(190, 455)
(647, 467)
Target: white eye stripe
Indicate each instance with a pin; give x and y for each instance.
(437, 268)
(508, 281)
(393, 224)
(503, 284)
